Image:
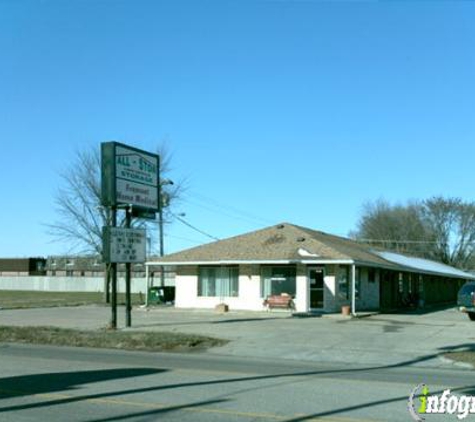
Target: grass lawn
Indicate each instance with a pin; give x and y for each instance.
(16, 299)
(125, 340)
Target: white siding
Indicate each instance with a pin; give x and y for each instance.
(250, 290)
(302, 299)
(329, 298)
(186, 287)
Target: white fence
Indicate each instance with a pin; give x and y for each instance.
(68, 284)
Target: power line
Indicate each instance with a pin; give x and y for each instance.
(220, 212)
(433, 242)
(194, 228)
(236, 212)
(187, 239)
(429, 242)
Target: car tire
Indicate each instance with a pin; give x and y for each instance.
(471, 315)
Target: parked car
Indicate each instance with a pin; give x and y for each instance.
(466, 299)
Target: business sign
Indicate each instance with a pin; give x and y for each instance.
(122, 245)
(130, 176)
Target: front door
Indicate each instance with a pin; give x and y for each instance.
(315, 278)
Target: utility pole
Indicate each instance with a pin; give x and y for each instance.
(161, 204)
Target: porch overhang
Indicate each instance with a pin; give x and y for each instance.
(251, 262)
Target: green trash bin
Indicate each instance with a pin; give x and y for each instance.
(154, 296)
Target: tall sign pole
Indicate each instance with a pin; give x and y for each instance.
(113, 324)
(128, 271)
(130, 180)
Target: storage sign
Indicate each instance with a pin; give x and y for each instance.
(123, 245)
(129, 176)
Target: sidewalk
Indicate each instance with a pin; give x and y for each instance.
(381, 340)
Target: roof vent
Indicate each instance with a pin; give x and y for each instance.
(306, 254)
(300, 239)
(280, 226)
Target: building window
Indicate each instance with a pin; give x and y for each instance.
(218, 281)
(69, 273)
(343, 283)
(278, 281)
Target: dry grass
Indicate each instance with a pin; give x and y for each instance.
(16, 299)
(465, 356)
(146, 341)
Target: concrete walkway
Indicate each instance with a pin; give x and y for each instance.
(379, 340)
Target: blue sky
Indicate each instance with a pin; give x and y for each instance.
(295, 111)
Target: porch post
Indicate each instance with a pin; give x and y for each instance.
(353, 289)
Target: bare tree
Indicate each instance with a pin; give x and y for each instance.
(438, 228)
(78, 205)
(453, 223)
(78, 201)
(398, 227)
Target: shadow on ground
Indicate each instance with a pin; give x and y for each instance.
(24, 385)
(419, 311)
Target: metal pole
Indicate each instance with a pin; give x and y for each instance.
(107, 283)
(147, 276)
(114, 278)
(160, 224)
(107, 268)
(353, 290)
(128, 271)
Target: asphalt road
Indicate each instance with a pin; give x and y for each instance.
(40, 383)
(419, 338)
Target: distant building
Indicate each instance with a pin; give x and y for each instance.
(75, 266)
(85, 266)
(10, 267)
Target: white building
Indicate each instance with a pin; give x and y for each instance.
(319, 271)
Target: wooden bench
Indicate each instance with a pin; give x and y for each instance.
(279, 301)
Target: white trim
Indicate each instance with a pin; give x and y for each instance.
(250, 262)
(353, 290)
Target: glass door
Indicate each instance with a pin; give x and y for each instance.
(317, 287)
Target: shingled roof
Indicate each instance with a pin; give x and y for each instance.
(288, 243)
(283, 242)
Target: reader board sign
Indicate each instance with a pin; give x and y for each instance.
(130, 176)
(122, 245)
